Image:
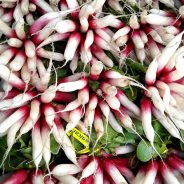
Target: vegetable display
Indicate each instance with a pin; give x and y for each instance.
(91, 92)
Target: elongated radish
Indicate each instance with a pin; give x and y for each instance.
(72, 45)
(18, 177)
(96, 69)
(89, 169)
(7, 55)
(49, 54)
(167, 174)
(37, 145)
(36, 176)
(65, 169)
(53, 38)
(146, 119)
(30, 49)
(127, 103)
(100, 54)
(112, 170)
(8, 31)
(45, 135)
(43, 5)
(17, 63)
(124, 149)
(13, 118)
(74, 118)
(72, 86)
(168, 51)
(152, 169)
(62, 138)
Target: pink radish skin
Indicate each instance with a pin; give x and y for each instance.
(95, 70)
(98, 177)
(83, 161)
(15, 42)
(146, 119)
(100, 54)
(66, 26)
(37, 144)
(72, 86)
(71, 46)
(7, 55)
(127, 50)
(36, 176)
(17, 63)
(150, 77)
(74, 118)
(18, 177)
(63, 115)
(168, 174)
(168, 51)
(139, 178)
(9, 32)
(45, 135)
(127, 103)
(49, 113)
(12, 119)
(49, 54)
(108, 89)
(152, 169)
(30, 49)
(83, 96)
(136, 39)
(63, 97)
(67, 179)
(53, 38)
(112, 170)
(89, 169)
(175, 163)
(42, 21)
(93, 101)
(114, 123)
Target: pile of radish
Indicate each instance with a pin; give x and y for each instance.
(91, 91)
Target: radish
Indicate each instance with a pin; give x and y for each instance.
(30, 49)
(67, 179)
(72, 45)
(17, 63)
(83, 96)
(13, 118)
(124, 149)
(49, 113)
(112, 170)
(43, 5)
(168, 51)
(146, 119)
(37, 145)
(74, 118)
(89, 169)
(8, 31)
(65, 169)
(45, 135)
(72, 86)
(18, 177)
(62, 138)
(49, 54)
(167, 174)
(11, 136)
(36, 176)
(7, 55)
(150, 175)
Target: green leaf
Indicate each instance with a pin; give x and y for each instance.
(131, 92)
(136, 66)
(54, 146)
(145, 152)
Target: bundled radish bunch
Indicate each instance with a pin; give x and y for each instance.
(164, 96)
(169, 171)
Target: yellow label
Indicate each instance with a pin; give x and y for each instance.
(84, 151)
(81, 137)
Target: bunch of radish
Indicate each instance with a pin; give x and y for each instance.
(164, 95)
(156, 171)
